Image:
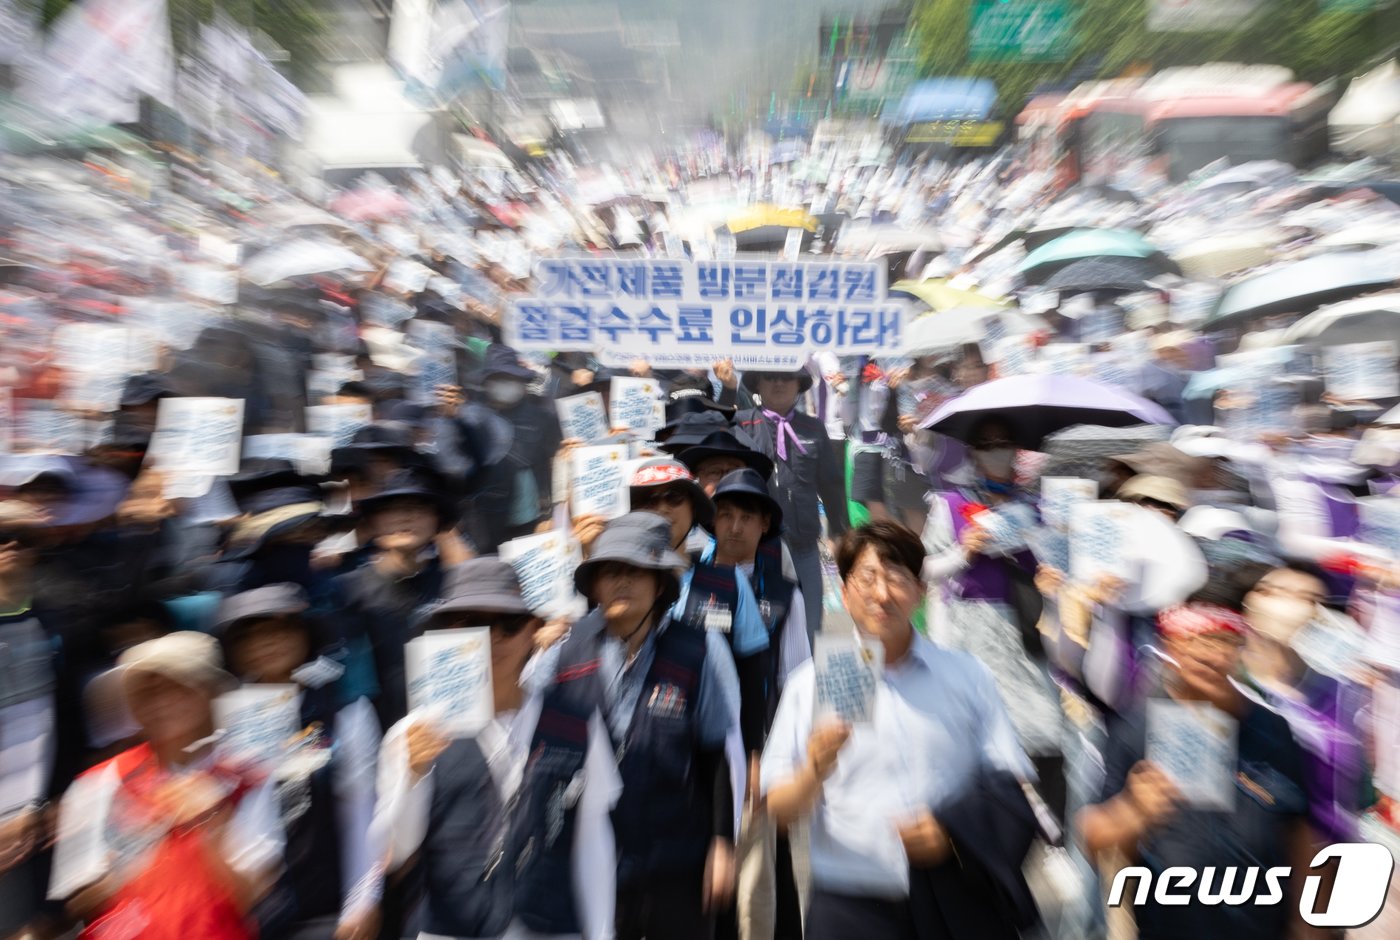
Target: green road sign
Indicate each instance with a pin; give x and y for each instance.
(1021, 30)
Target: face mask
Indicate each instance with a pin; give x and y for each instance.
(996, 463)
(504, 391)
(1278, 618)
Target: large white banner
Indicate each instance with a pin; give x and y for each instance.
(101, 56)
(685, 313)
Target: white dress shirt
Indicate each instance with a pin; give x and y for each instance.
(937, 719)
(401, 815)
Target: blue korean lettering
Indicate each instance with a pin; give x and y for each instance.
(667, 280)
(750, 280)
(694, 323)
(575, 323)
(557, 280)
(653, 323)
(714, 279)
(889, 323)
(532, 322)
(787, 281)
(823, 282)
(632, 279)
(785, 326)
(749, 325)
(819, 325)
(613, 321)
(593, 279)
(860, 284)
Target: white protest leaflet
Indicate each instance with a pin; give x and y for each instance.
(677, 313)
(1117, 369)
(220, 249)
(338, 422)
(436, 367)
(407, 277)
(582, 417)
(310, 452)
(1050, 547)
(1196, 745)
(43, 427)
(1332, 647)
(792, 245)
(449, 678)
(1362, 371)
(545, 565)
(1065, 359)
(847, 675)
(1013, 355)
(1380, 523)
(209, 282)
(632, 404)
(1058, 495)
(197, 436)
(1098, 541)
(258, 722)
(598, 478)
(7, 421)
(1007, 525)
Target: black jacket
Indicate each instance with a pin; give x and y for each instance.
(800, 480)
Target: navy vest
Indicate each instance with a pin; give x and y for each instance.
(545, 818)
(469, 891)
(664, 818)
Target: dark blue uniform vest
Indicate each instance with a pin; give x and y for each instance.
(469, 891)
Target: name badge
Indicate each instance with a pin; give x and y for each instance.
(717, 617)
(667, 701)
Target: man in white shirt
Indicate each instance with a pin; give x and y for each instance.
(506, 820)
(919, 825)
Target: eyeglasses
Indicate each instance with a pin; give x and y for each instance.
(667, 497)
(993, 445)
(868, 577)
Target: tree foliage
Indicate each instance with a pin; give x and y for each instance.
(1112, 38)
(295, 25)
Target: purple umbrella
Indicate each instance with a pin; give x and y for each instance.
(1036, 406)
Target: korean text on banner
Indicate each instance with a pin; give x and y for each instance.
(449, 678)
(198, 436)
(686, 313)
(582, 418)
(599, 481)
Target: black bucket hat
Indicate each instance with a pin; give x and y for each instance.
(412, 483)
(748, 482)
(501, 360)
(690, 429)
(270, 600)
(726, 443)
(274, 500)
(639, 539)
(804, 378)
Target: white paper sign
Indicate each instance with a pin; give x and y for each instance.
(407, 277)
(582, 417)
(847, 675)
(632, 404)
(449, 677)
(792, 245)
(1380, 523)
(1098, 541)
(1385, 719)
(310, 452)
(545, 565)
(7, 421)
(1058, 495)
(1013, 355)
(599, 481)
(1007, 525)
(258, 722)
(209, 282)
(338, 422)
(197, 436)
(1195, 744)
(1362, 371)
(42, 427)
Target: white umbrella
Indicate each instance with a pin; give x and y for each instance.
(299, 258)
(935, 331)
(1363, 320)
(1219, 255)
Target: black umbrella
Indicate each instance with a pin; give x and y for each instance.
(769, 238)
(1099, 274)
(1154, 265)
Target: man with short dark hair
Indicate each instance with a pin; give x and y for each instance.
(919, 819)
